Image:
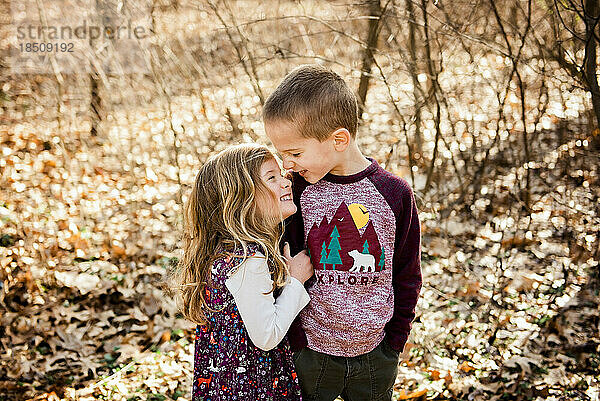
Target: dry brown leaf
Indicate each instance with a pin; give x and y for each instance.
(435, 374)
(419, 394)
(84, 282)
(465, 367)
(523, 362)
(166, 336)
(46, 397)
(118, 251)
(517, 242)
(77, 242)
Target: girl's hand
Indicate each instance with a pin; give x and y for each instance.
(300, 266)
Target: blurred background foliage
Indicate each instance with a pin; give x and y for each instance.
(489, 109)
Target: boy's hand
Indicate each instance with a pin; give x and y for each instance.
(300, 266)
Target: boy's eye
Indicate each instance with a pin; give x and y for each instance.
(295, 154)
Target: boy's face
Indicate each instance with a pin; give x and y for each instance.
(307, 156)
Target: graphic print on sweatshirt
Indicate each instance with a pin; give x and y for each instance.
(349, 232)
(343, 247)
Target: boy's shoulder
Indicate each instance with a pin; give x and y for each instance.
(396, 191)
(391, 181)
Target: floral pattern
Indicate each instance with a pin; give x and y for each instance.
(227, 365)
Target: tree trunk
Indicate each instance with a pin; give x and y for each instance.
(367, 60)
(592, 11)
(412, 69)
(95, 99)
(433, 76)
(95, 104)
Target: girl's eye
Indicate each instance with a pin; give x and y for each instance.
(271, 178)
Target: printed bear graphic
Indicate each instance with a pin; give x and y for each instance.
(329, 242)
(366, 261)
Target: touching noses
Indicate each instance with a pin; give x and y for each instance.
(286, 183)
(287, 164)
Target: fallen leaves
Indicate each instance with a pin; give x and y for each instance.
(523, 362)
(502, 303)
(416, 395)
(466, 367)
(83, 282)
(517, 242)
(495, 279)
(46, 397)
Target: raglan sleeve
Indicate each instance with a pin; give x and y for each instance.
(406, 264)
(294, 235)
(293, 225)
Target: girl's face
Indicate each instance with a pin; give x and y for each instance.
(280, 188)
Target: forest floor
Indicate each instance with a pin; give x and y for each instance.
(507, 311)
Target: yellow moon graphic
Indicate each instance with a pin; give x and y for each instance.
(360, 215)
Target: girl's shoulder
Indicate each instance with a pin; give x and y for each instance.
(230, 257)
(237, 251)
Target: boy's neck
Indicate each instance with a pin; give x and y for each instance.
(352, 162)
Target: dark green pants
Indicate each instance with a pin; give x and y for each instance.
(366, 377)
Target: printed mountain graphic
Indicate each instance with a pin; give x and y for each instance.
(331, 242)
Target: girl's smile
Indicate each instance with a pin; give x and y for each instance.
(281, 188)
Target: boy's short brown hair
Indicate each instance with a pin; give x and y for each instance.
(315, 100)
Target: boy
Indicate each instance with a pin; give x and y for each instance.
(360, 226)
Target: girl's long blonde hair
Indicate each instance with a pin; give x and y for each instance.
(222, 214)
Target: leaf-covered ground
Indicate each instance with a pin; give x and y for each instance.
(89, 224)
(505, 312)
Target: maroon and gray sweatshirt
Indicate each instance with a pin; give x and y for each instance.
(363, 235)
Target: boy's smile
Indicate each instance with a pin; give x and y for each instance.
(307, 156)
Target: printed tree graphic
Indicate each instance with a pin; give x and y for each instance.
(382, 260)
(334, 249)
(366, 247)
(323, 255)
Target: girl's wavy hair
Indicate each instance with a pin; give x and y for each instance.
(222, 216)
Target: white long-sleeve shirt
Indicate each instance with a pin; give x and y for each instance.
(267, 319)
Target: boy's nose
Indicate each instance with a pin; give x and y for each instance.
(287, 164)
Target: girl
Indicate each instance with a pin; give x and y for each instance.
(234, 283)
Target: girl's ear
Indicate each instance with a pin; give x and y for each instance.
(341, 139)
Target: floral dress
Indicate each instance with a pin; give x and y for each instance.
(227, 365)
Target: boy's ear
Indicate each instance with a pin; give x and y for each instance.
(341, 138)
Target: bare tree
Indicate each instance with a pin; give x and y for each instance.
(375, 16)
(574, 30)
(95, 106)
(515, 58)
(244, 54)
